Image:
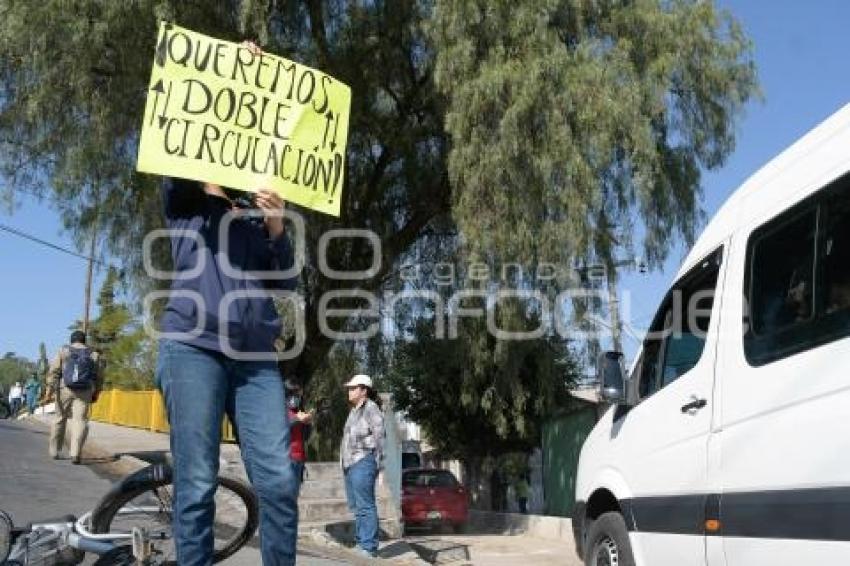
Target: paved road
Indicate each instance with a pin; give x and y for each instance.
(32, 486)
(35, 487)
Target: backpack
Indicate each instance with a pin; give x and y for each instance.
(78, 369)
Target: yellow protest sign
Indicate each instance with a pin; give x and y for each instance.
(219, 113)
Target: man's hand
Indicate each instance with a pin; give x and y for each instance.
(252, 47)
(305, 418)
(272, 206)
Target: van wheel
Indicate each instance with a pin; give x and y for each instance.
(608, 542)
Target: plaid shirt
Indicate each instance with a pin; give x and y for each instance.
(363, 435)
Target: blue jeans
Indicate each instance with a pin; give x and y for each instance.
(199, 386)
(298, 472)
(32, 402)
(360, 493)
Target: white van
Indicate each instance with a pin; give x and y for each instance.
(728, 443)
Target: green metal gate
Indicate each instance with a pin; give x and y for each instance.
(563, 437)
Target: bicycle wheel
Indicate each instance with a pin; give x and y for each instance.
(144, 499)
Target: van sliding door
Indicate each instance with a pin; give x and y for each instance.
(785, 369)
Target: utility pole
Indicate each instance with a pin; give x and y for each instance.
(614, 310)
(614, 299)
(90, 270)
(88, 283)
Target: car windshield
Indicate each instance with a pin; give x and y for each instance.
(410, 460)
(436, 478)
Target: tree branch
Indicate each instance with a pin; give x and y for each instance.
(317, 30)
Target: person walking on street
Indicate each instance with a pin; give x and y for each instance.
(74, 378)
(522, 488)
(362, 458)
(299, 429)
(5, 408)
(217, 357)
(16, 394)
(33, 390)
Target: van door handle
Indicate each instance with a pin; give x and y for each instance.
(694, 405)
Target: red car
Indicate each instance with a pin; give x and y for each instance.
(433, 497)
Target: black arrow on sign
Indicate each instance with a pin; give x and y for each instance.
(336, 125)
(162, 118)
(158, 89)
(328, 117)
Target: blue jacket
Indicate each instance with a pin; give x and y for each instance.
(250, 323)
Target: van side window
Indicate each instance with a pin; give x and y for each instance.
(835, 256)
(783, 265)
(798, 277)
(649, 368)
(676, 340)
(683, 348)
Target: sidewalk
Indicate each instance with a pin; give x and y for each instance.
(512, 550)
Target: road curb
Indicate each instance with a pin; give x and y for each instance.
(321, 542)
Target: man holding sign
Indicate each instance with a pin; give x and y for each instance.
(216, 352)
(216, 328)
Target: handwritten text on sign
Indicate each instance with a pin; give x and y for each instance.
(219, 113)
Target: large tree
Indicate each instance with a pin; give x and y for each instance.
(574, 122)
(128, 352)
(479, 399)
(74, 80)
(476, 396)
(14, 368)
(539, 126)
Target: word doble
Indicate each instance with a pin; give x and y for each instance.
(220, 113)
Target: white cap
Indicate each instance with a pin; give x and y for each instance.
(359, 379)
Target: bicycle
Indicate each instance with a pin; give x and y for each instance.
(130, 525)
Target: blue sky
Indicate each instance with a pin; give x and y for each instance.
(801, 55)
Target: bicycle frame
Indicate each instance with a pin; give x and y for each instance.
(53, 538)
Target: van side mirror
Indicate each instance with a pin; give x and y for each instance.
(611, 376)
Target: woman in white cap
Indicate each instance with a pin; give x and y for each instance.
(362, 456)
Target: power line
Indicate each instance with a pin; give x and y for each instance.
(56, 247)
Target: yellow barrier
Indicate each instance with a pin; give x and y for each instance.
(140, 409)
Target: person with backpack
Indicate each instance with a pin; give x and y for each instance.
(74, 378)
